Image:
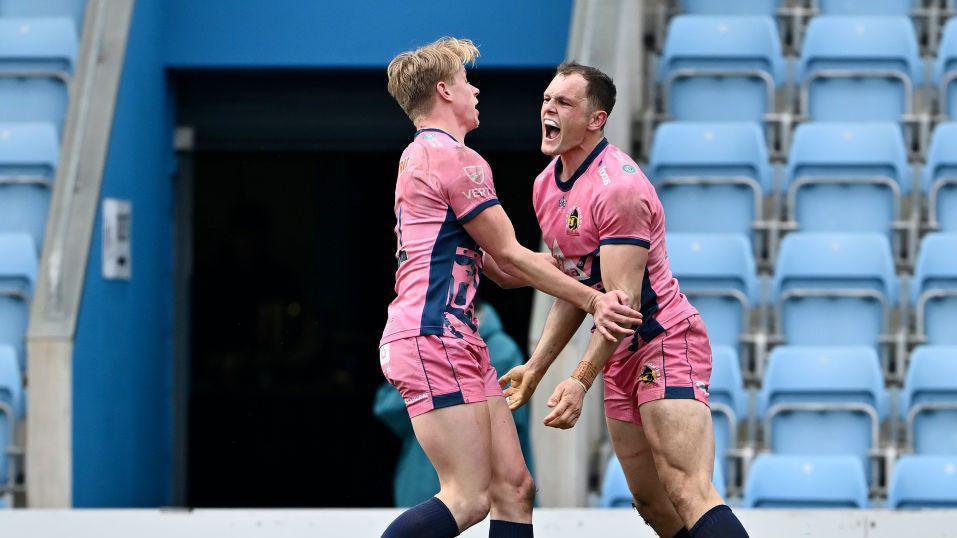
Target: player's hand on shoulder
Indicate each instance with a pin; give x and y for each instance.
(566, 403)
(613, 316)
(522, 382)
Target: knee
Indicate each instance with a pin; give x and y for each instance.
(515, 491)
(687, 490)
(475, 508)
(656, 511)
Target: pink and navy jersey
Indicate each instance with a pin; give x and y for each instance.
(609, 201)
(442, 185)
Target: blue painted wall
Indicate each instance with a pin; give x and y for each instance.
(122, 361)
(368, 33)
(122, 364)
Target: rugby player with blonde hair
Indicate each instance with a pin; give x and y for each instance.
(449, 227)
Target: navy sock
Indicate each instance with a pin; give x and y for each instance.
(719, 522)
(683, 533)
(508, 529)
(429, 519)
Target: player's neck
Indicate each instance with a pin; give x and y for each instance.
(574, 157)
(448, 125)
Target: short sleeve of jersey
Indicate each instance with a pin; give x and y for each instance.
(465, 180)
(622, 215)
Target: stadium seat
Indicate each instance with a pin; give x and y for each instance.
(848, 177)
(934, 289)
(729, 404)
(36, 60)
(11, 395)
(945, 70)
(928, 403)
(28, 160)
(18, 269)
(870, 7)
(939, 179)
(711, 177)
(717, 273)
(735, 61)
(834, 289)
(723, 7)
(823, 400)
(924, 482)
(805, 482)
(47, 8)
(859, 68)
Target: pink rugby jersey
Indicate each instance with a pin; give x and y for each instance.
(609, 201)
(442, 184)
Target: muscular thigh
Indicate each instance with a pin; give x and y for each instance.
(458, 442)
(635, 455)
(681, 435)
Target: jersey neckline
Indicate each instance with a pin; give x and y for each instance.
(566, 186)
(433, 129)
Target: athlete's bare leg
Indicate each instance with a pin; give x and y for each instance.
(512, 492)
(638, 463)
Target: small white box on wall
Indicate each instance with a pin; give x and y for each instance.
(117, 239)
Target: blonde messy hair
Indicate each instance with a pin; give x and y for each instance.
(414, 74)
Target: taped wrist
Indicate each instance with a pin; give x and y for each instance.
(585, 373)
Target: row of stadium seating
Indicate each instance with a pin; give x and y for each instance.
(777, 481)
(827, 289)
(38, 48)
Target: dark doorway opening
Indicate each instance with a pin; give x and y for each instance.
(291, 245)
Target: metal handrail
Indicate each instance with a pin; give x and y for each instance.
(917, 409)
(26, 180)
(920, 313)
(38, 73)
(932, 196)
(804, 98)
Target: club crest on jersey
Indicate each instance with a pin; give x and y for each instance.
(629, 168)
(648, 375)
(573, 221)
(475, 173)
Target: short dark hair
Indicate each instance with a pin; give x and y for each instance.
(600, 88)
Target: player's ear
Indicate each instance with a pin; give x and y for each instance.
(598, 120)
(442, 89)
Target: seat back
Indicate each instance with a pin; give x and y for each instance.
(18, 269)
(716, 262)
(944, 67)
(721, 44)
(723, 7)
(726, 388)
(932, 378)
(852, 153)
(924, 482)
(805, 482)
(940, 174)
(714, 152)
(862, 44)
(74, 9)
(936, 269)
(823, 375)
(28, 160)
(836, 263)
(870, 7)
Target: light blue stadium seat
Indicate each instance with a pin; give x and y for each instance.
(74, 9)
(732, 60)
(868, 7)
(847, 177)
(928, 403)
(729, 404)
(36, 60)
(717, 272)
(614, 486)
(880, 52)
(934, 289)
(28, 160)
(805, 482)
(711, 177)
(834, 289)
(939, 178)
(11, 396)
(724, 7)
(945, 70)
(924, 482)
(823, 400)
(18, 269)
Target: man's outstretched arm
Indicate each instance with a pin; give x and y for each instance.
(492, 230)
